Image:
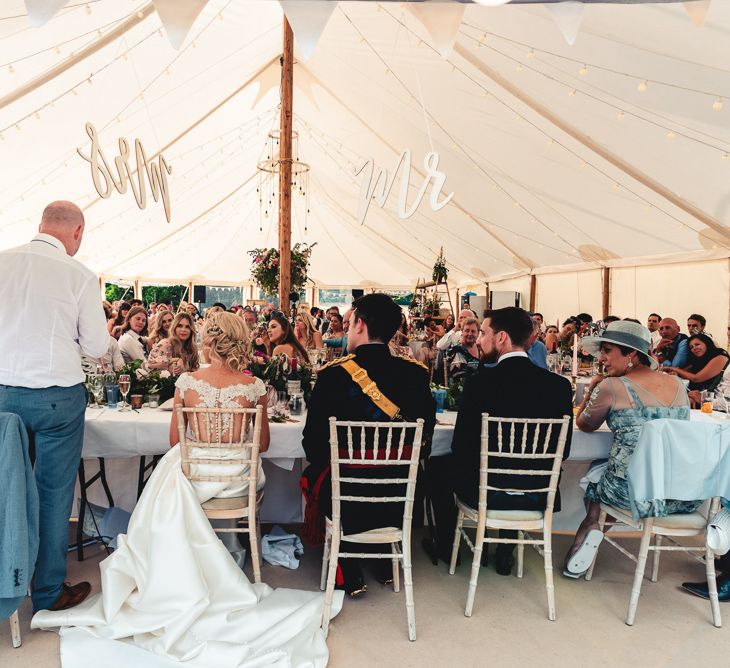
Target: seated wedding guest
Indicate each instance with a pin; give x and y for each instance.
(115, 328)
(696, 324)
(160, 328)
(630, 394)
(570, 327)
(538, 318)
(340, 342)
(336, 329)
(552, 339)
(449, 323)
(305, 331)
(515, 388)
(652, 323)
(249, 317)
(672, 348)
(176, 353)
(536, 349)
(112, 360)
(400, 338)
(279, 339)
(612, 318)
(315, 313)
(705, 365)
(464, 358)
(132, 341)
(453, 336)
(136, 302)
(373, 321)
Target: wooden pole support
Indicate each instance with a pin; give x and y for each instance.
(533, 293)
(285, 164)
(606, 291)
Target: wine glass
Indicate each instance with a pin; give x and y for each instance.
(124, 383)
(96, 385)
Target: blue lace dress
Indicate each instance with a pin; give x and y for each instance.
(626, 423)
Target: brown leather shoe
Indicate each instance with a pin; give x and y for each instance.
(71, 596)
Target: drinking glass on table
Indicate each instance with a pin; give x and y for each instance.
(96, 385)
(124, 383)
(706, 401)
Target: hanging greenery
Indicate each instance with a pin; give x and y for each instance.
(440, 270)
(265, 267)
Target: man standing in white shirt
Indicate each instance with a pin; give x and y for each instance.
(51, 312)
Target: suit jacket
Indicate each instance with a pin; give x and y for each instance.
(513, 388)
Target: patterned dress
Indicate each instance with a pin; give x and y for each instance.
(626, 424)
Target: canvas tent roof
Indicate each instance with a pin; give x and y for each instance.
(528, 196)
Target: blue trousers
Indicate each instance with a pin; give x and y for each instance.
(54, 417)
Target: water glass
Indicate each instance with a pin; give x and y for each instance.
(706, 401)
(96, 389)
(296, 403)
(439, 395)
(112, 395)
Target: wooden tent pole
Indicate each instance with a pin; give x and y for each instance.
(606, 292)
(285, 164)
(533, 292)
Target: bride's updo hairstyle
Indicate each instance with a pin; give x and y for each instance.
(228, 340)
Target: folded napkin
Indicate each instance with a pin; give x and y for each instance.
(281, 549)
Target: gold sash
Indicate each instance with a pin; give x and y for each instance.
(370, 389)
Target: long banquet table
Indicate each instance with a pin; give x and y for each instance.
(121, 438)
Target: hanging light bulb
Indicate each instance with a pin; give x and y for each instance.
(572, 92)
(717, 104)
(642, 86)
(530, 55)
(583, 71)
(671, 135)
(519, 67)
(87, 9)
(11, 69)
(726, 156)
(620, 115)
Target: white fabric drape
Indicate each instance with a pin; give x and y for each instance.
(172, 592)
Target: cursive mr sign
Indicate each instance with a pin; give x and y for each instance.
(380, 190)
(104, 177)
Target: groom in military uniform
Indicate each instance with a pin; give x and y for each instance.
(401, 391)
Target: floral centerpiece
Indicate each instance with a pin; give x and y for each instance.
(276, 370)
(149, 381)
(265, 267)
(440, 270)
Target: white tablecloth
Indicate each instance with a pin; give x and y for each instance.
(121, 438)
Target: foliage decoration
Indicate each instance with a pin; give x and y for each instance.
(265, 267)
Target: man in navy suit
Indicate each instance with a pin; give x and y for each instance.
(514, 387)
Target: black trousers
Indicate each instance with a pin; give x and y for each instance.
(442, 482)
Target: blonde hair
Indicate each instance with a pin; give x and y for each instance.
(303, 313)
(228, 340)
(210, 312)
(187, 350)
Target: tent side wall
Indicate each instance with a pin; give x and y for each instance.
(561, 295)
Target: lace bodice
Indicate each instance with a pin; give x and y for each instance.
(230, 396)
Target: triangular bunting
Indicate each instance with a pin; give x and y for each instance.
(567, 16)
(308, 19)
(697, 10)
(442, 20)
(177, 17)
(41, 11)
(271, 78)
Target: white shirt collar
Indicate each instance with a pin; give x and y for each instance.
(515, 353)
(51, 240)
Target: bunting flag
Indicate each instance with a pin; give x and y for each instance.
(491, 3)
(41, 11)
(177, 17)
(697, 10)
(442, 20)
(308, 19)
(567, 16)
(271, 78)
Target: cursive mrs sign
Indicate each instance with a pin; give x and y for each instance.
(380, 190)
(104, 177)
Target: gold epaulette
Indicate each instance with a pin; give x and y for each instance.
(337, 361)
(413, 360)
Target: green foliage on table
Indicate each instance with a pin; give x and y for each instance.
(275, 372)
(453, 393)
(149, 381)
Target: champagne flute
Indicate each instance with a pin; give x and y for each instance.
(124, 384)
(97, 389)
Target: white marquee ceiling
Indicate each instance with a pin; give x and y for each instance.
(527, 195)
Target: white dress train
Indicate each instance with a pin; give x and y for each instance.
(172, 593)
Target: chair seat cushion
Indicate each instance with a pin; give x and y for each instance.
(502, 515)
(693, 520)
(230, 503)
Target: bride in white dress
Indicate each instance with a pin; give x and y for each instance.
(171, 592)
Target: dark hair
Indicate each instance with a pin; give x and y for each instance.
(337, 316)
(136, 302)
(644, 359)
(513, 320)
(696, 364)
(538, 313)
(314, 311)
(631, 320)
(223, 306)
(288, 335)
(119, 320)
(130, 314)
(584, 317)
(656, 315)
(381, 315)
(613, 318)
(700, 318)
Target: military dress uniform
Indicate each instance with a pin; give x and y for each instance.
(405, 383)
